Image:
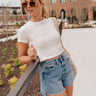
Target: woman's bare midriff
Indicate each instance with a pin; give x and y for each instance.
(53, 58)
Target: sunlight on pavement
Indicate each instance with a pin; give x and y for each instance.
(81, 43)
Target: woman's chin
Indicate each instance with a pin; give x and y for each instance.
(30, 14)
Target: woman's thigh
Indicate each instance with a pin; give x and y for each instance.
(60, 94)
(69, 90)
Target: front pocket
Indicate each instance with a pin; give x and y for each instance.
(49, 67)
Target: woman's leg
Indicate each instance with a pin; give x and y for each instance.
(69, 90)
(60, 94)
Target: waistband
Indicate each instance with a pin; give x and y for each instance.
(60, 57)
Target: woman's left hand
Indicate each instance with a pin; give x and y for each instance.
(32, 52)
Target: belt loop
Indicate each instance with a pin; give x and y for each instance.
(61, 58)
(56, 61)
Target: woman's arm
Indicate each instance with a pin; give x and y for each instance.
(22, 53)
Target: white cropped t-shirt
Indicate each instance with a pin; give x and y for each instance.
(43, 36)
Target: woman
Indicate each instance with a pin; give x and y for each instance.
(39, 37)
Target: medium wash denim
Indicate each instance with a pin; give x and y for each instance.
(56, 74)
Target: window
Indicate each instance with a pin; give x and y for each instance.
(94, 13)
(53, 1)
(73, 0)
(62, 1)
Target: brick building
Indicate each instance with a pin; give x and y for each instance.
(73, 8)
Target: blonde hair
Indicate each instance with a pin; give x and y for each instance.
(45, 13)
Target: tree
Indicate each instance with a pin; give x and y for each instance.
(82, 11)
(79, 11)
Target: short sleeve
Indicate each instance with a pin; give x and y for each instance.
(22, 36)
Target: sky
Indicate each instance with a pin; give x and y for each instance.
(12, 3)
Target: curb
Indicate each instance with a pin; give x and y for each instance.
(9, 38)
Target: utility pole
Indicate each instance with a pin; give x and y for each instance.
(60, 26)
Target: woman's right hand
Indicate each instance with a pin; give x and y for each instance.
(32, 52)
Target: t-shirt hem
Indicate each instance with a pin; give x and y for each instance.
(51, 56)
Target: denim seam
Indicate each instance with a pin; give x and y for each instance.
(56, 61)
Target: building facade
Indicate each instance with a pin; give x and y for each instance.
(73, 8)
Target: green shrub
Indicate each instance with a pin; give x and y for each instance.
(13, 51)
(12, 56)
(90, 25)
(11, 60)
(4, 51)
(68, 27)
(16, 45)
(16, 63)
(0, 60)
(1, 83)
(3, 57)
(83, 26)
(8, 70)
(17, 24)
(12, 48)
(72, 26)
(23, 68)
(77, 26)
(12, 82)
(22, 23)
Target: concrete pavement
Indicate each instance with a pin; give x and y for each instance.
(81, 43)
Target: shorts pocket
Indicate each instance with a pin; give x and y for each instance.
(49, 66)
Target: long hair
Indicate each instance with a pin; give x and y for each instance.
(45, 13)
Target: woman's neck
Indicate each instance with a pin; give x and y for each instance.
(34, 19)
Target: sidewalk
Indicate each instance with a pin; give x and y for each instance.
(9, 38)
(81, 43)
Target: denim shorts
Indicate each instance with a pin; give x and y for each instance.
(56, 74)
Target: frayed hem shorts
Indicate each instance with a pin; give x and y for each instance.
(56, 74)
